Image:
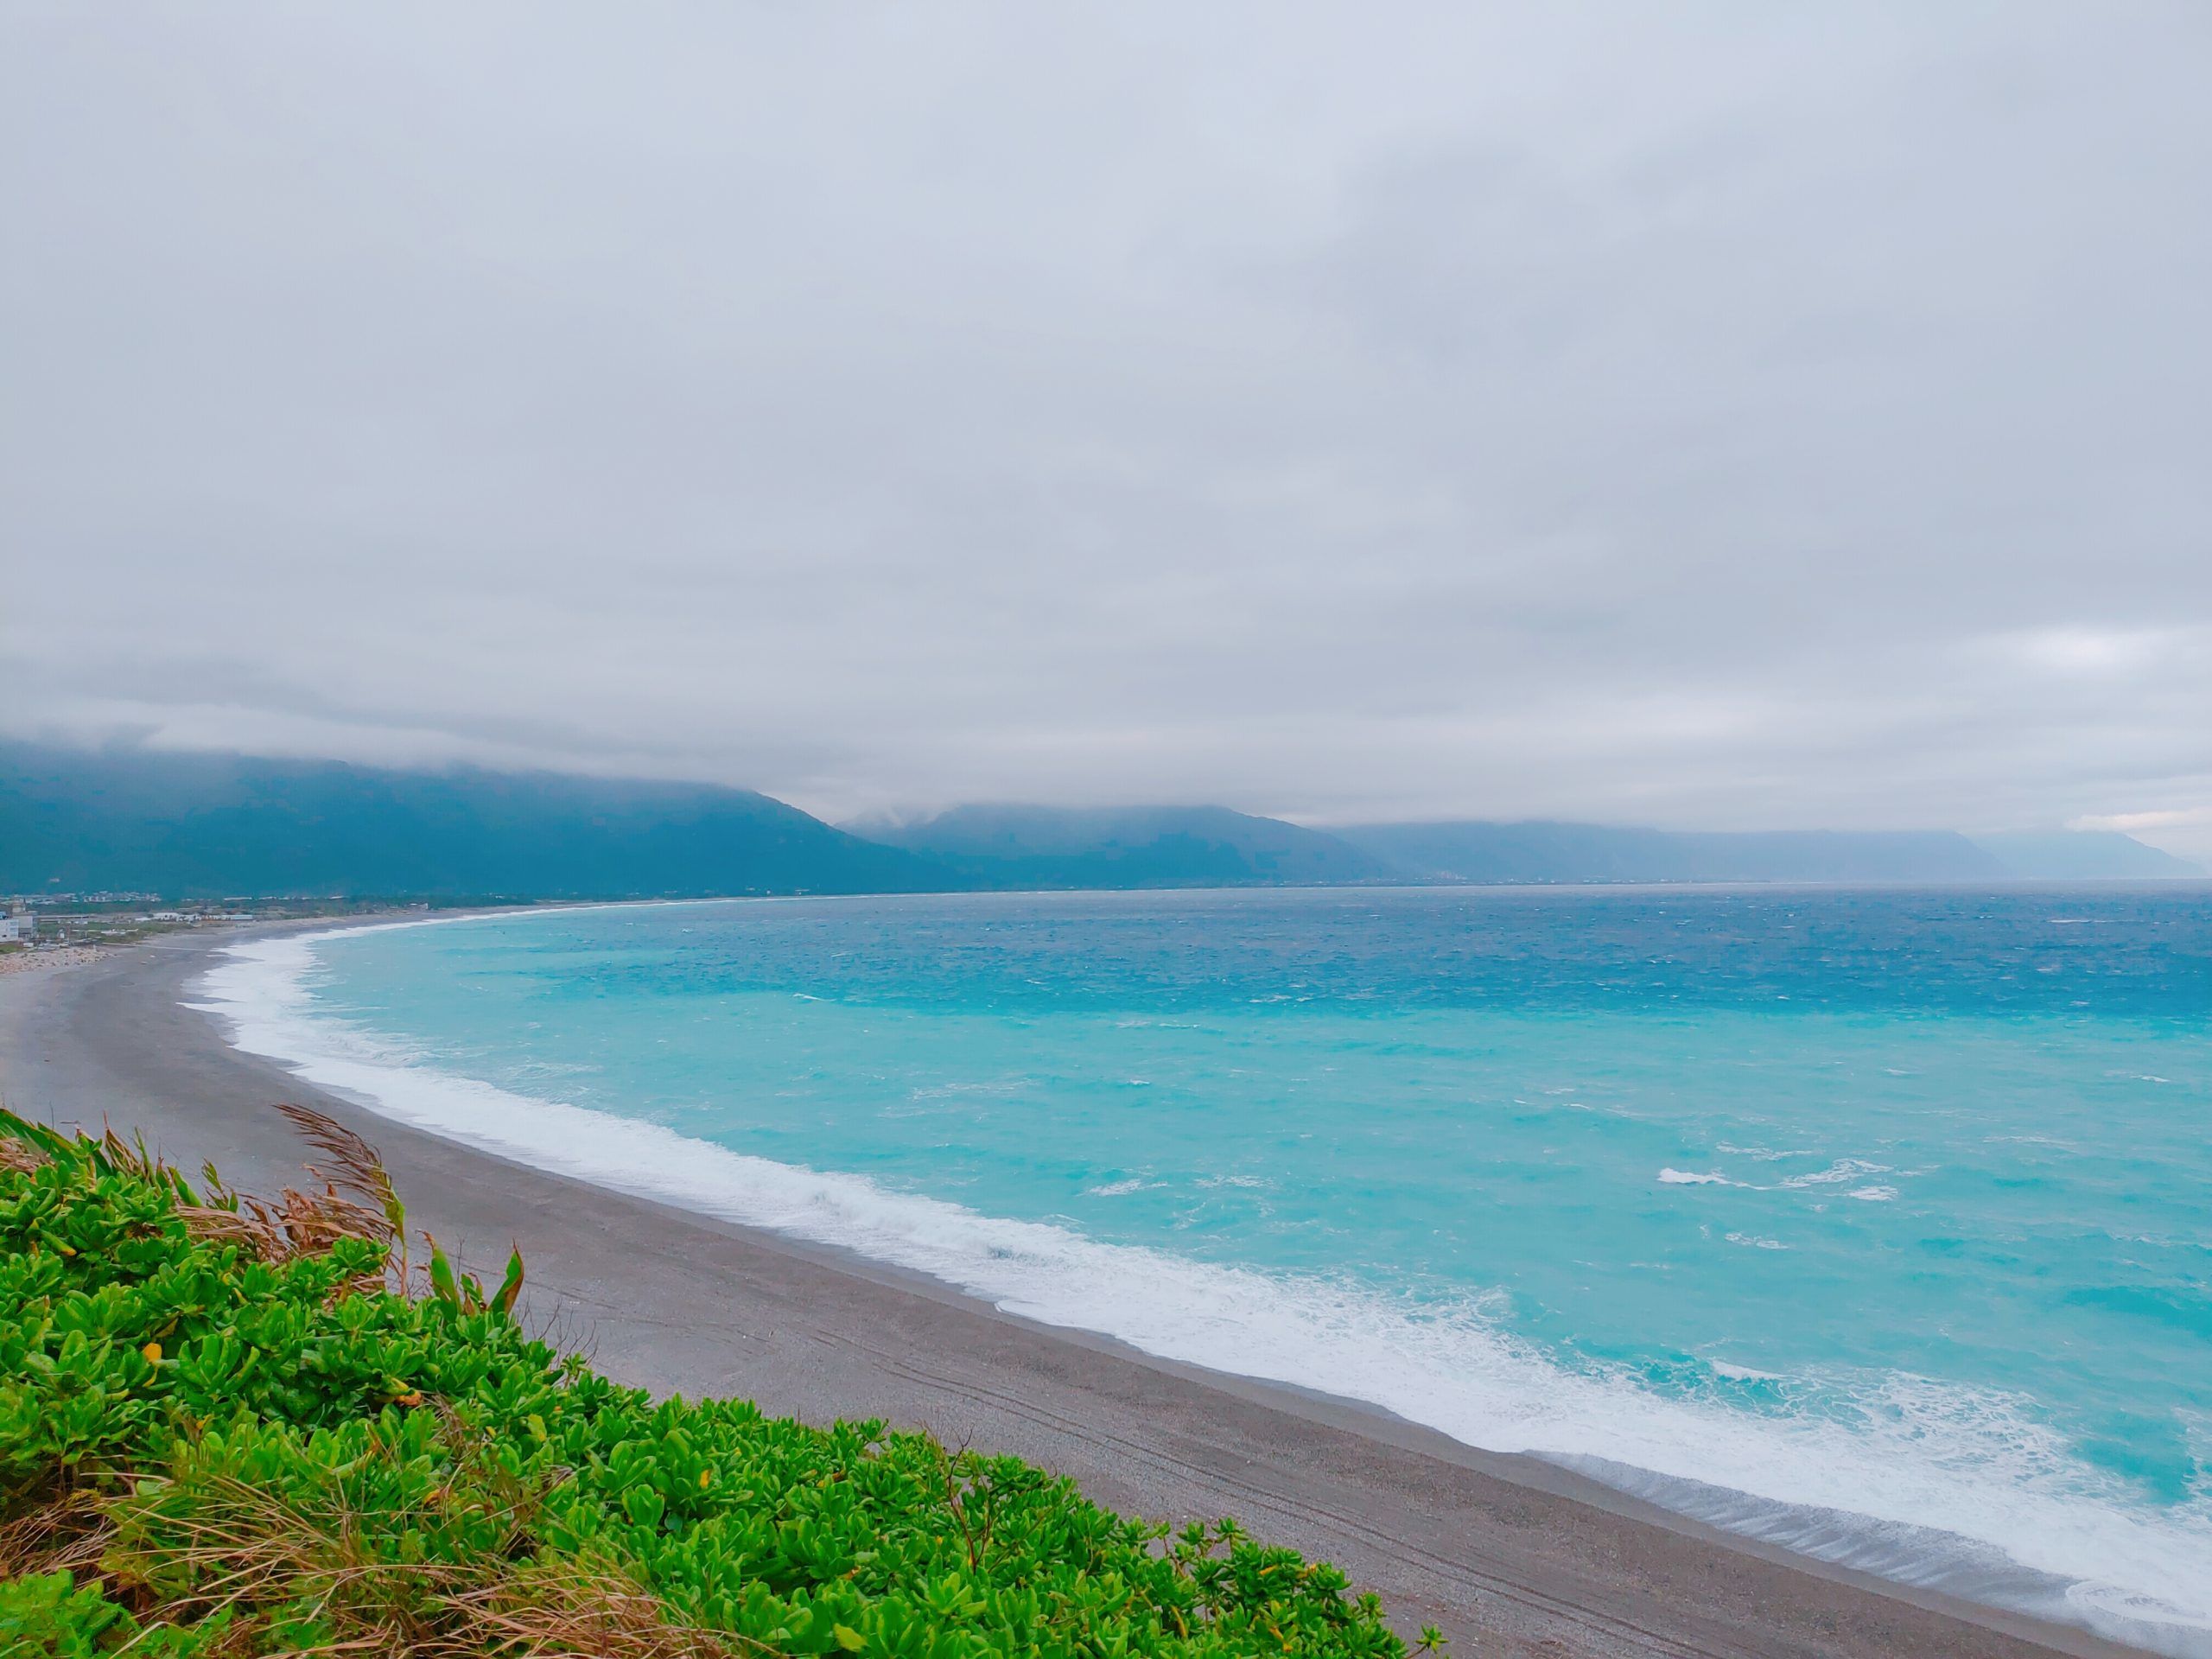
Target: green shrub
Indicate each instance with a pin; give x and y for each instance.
(232, 1428)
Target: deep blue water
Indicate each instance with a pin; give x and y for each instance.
(1876, 1222)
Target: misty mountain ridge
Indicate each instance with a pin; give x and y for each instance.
(2084, 855)
(1189, 846)
(1129, 847)
(1538, 851)
(193, 825)
(201, 825)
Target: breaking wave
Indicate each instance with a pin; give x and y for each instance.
(1932, 1483)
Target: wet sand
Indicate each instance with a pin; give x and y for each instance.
(1508, 1555)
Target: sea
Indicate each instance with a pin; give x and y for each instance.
(1873, 1223)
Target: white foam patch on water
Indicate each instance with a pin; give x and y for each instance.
(1753, 1242)
(1935, 1483)
(1692, 1177)
(1843, 1169)
(1744, 1373)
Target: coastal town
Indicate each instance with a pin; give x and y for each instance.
(66, 918)
(50, 928)
(61, 929)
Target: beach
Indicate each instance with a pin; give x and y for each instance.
(33, 961)
(1507, 1554)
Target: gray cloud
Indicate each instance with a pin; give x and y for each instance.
(1721, 414)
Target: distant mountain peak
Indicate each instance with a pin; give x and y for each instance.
(203, 824)
(1009, 844)
(2084, 855)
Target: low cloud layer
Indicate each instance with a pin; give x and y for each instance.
(1708, 416)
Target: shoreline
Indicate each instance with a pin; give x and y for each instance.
(1507, 1553)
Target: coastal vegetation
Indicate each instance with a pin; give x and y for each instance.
(237, 1426)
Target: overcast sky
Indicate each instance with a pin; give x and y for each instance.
(1712, 415)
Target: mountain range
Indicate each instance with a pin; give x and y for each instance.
(1129, 847)
(1544, 851)
(203, 826)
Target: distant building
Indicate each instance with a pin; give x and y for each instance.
(18, 930)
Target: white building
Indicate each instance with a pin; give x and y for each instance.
(17, 930)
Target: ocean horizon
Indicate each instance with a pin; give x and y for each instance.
(1870, 1222)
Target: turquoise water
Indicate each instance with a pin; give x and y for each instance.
(1874, 1222)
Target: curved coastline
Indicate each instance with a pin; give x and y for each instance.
(1894, 1509)
(1469, 1564)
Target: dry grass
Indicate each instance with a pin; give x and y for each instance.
(66, 1530)
(354, 1169)
(300, 1224)
(246, 1552)
(356, 1201)
(133, 1158)
(564, 1610)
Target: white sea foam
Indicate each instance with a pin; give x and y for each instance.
(1744, 1373)
(1753, 1241)
(1872, 1194)
(1843, 1169)
(1938, 1483)
(1764, 1154)
(1692, 1177)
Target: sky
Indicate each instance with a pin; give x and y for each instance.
(1713, 415)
